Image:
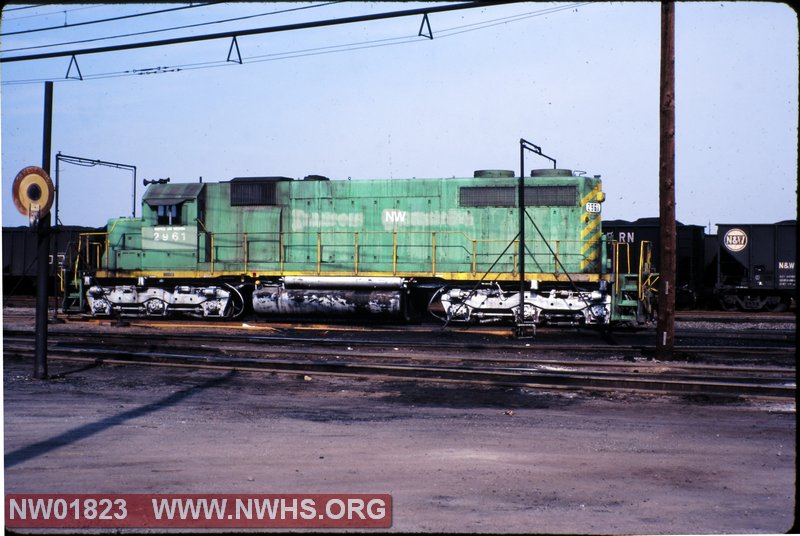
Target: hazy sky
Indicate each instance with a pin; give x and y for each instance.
(580, 80)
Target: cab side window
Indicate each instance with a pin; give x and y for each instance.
(169, 215)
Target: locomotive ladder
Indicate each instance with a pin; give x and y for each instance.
(633, 290)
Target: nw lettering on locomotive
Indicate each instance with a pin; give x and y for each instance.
(394, 216)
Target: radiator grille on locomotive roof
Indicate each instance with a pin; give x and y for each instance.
(253, 193)
(506, 196)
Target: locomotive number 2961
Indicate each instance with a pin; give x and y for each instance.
(593, 207)
(169, 234)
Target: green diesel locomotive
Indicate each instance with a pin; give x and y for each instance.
(399, 247)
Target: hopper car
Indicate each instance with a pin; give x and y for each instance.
(744, 266)
(20, 258)
(695, 273)
(756, 266)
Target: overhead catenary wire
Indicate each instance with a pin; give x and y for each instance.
(51, 13)
(247, 59)
(111, 19)
(330, 49)
(184, 27)
(257, 31)
(447, 32)
(8, 9)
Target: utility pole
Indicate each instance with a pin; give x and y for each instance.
(43, 248)
(665, 329)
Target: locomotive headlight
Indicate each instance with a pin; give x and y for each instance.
(601, 196)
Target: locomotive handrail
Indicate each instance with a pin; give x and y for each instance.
(245, 241)
(83, 240)
(441, 246)
(644, 258)
(617, 246)
(203, 225)
(246, 245)
(77, 263)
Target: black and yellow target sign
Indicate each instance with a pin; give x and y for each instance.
(33, 192)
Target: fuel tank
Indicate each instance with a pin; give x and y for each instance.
(279, 300)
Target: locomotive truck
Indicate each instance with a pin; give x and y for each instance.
(399, 248)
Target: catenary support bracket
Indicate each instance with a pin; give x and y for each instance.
(425, 22)
(235, 43)
(74, 61)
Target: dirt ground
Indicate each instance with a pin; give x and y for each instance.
(454, 458)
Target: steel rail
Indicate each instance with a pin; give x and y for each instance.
(777, 335)
(584, 380)
(539, 347)
(773, 335)
(762, 334)
(389, 378)
(641, 367)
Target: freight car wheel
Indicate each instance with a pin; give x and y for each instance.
(727, 304)
(776, 305)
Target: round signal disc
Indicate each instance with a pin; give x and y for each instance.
(32, 186)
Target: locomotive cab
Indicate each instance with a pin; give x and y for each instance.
(170, 216)
(151, 263)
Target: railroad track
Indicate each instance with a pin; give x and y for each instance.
(23, 305)
(760, 335)
(471, 365)
(691, 342)
(735, 316)
(777, 345)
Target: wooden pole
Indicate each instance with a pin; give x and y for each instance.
(665, 328)
(43, 248)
